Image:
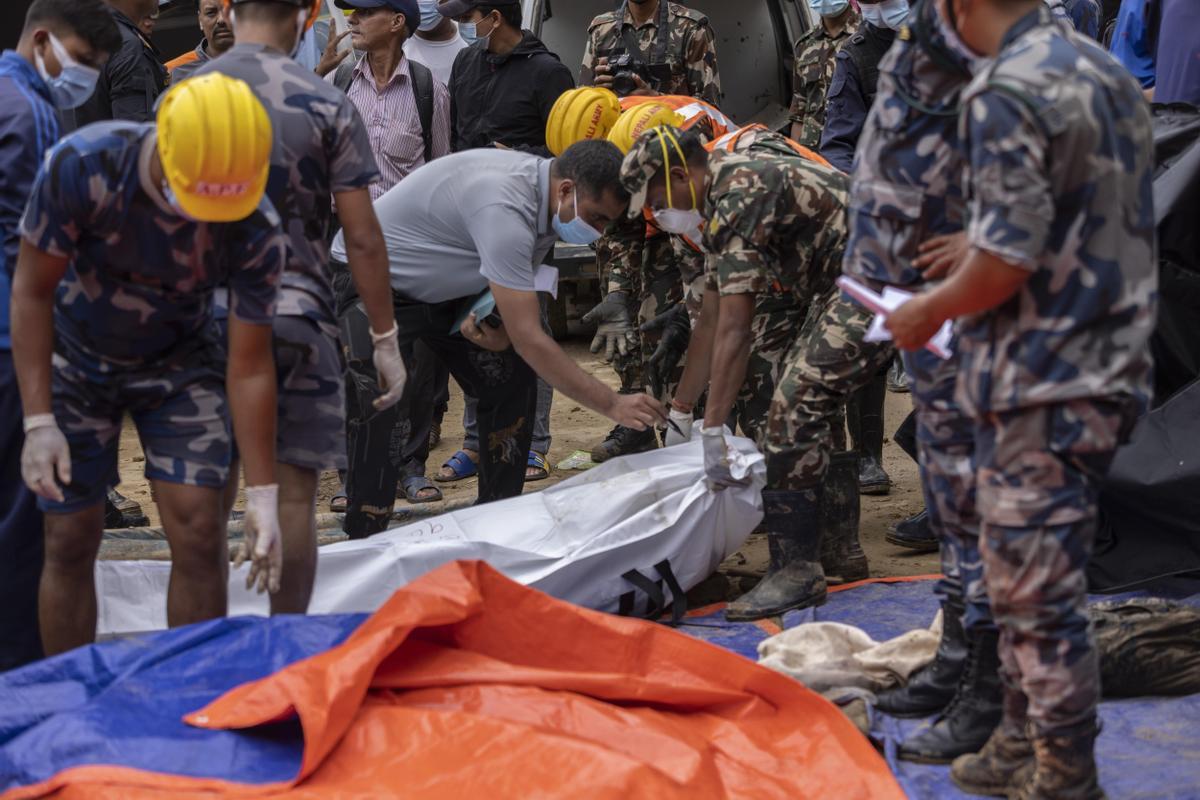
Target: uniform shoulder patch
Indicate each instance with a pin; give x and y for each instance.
(607, 18)
(687, 13)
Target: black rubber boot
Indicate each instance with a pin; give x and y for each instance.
(932, 687)
(864, 418)
(914, 533)
(897, 377)
(121, 512)
(622, 441)
(969, 720)
(794, 578)
(842, 556)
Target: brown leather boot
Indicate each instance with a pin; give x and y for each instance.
(1006, 761)
(1066, 768)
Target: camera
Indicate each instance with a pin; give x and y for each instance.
(625, 66)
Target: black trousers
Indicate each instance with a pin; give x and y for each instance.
(381, 443)
(20, 535)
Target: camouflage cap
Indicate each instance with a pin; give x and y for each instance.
(650, 155)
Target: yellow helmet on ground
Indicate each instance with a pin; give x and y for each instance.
(639, 119)
(214, 140)
(584, 113)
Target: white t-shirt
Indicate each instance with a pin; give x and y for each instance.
(438, 56)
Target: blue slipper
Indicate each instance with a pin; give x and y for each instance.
(461, 465)
(536, 464)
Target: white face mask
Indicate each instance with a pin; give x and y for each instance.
(680, 222)
(75, 82)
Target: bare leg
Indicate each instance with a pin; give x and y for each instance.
(195, 528)
(67, 592)
(298, 524)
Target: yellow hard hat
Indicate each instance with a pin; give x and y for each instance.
(639, 119)
(214, 140)
(584, 113)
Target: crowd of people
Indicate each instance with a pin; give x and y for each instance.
(274, 268)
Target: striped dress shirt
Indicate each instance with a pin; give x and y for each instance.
(393, 124)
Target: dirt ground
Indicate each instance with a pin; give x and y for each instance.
(576, 428)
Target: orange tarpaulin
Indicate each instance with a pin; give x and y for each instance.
(467, 685)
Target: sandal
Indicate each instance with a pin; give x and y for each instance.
(340, 502)
(415, 484)
(536, 468)
(461, 465)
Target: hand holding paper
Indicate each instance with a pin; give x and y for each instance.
(901, 315)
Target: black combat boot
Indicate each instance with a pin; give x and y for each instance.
(968, 721)
(622, 441)
(1006, 761)
(864, 418)
(914, 533)
(932, 687)
(842, 555)
(794, 578)
(1066, 768)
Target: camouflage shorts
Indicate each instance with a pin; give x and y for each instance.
(829, 362)
(180, 414)
(1039, 476)
(311, 430)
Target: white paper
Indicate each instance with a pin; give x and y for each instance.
(545, 279)
(941, 345)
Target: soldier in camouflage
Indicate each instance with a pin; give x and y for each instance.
(906, 223)
(771, 223)
(130, 283)
(321, 154)
(678, 50)
(1056, 302)
(814, 60)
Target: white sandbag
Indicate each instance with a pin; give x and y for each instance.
(574, 541)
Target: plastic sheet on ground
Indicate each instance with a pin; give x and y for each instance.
(573, 541)
(464, 684)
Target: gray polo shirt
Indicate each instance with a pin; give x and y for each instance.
(463, 220)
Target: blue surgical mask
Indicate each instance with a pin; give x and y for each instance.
(888, 14)
(469, 31)
(430, 18)
(828, 8)
(75, 82)
(577, 231)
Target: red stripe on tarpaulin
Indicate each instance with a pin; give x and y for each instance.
(466, 684)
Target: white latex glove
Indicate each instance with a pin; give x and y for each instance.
(684, 421)
(390, 366)
(263, 545)
(716, 460)
(44, 457)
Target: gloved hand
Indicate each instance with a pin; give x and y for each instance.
(716, 460)
(45, 456)
(675, 331)
(263, 545)
(614, 326)
(684, 421)
(390, 366)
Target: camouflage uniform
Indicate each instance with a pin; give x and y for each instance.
(321, 148)
(691, 51)
(1083, 15)
(133, 321)
(648, 267)
(775, 228)
(814, 60)
(906, 189)
(1055, 376)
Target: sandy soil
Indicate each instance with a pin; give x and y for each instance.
(577, 428)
